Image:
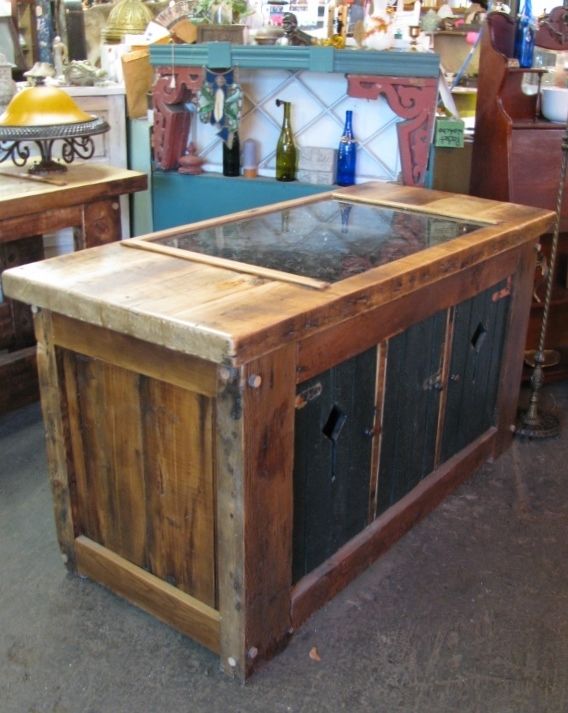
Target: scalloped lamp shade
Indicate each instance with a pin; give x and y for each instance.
(128, 17)
(42, 106)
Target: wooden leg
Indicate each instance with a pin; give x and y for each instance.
(101, 224)
(56, 428)
(255, 509)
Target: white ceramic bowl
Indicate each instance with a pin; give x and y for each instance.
(554, 103)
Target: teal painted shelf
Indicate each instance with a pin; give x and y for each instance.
(179, 199)
(312, 59)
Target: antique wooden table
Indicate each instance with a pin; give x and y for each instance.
(85, 197)
(243, 413)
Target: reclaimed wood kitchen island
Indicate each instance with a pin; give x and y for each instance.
(242, 414)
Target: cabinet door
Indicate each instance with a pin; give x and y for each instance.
(410, 409)
(332, 459)
(479, 326)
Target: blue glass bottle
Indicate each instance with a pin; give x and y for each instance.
(524, 36)
(346, 154)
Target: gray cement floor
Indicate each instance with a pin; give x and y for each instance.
(467, 613)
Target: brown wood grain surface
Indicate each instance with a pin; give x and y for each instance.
(56, 422)
(160, 299)
(230, 534)
(178, 473)
(268, 497)
(142, 452)
(165, 602)
(149, 359)
(84, 183)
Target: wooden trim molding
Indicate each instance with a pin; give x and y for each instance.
(167, 603)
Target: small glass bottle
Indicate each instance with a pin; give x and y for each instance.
(232, 157)
(524, 36)
(285, 149)
(250, 158)
(346, 154)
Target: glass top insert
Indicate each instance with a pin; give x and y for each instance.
(328, 240)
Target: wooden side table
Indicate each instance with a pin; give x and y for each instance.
(86, 197)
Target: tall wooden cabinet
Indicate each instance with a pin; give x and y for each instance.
(517, 154)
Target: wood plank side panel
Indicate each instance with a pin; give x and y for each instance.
(167, 603)
(110, 415)
(85, 516)
(142, 453)
(178, 476)
(321, 585)
(268, 500)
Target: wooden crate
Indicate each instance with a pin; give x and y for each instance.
(228, 450)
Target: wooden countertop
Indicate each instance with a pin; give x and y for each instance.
(230, 317)
(84, 182)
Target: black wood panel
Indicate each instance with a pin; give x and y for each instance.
(332, 460)
(479, 333)
(16, 327)
(412, 396)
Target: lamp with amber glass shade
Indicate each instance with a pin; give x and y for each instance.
(42, 115)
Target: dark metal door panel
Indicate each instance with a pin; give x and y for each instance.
(410, 412)
(479, 332)
(332, 459)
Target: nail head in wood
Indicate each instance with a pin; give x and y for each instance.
(254, 381)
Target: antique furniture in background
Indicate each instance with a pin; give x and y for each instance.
(109, 103)
(220, 490)
(89, 201)
(517, 154)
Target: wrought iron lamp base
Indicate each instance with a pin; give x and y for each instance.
(76, 138)
(544, 425)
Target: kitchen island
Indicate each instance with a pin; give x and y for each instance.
(243, 413)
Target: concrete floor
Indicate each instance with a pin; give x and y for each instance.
(468, 612)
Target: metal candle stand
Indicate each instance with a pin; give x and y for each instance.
(533, 423)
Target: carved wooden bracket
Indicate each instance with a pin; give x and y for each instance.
(413, 99)
(175, 86)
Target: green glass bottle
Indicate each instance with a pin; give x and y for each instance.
(285, 149)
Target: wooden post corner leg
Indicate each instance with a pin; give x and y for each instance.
(55, 424)
(101, 223)
(255, 431)
(230, 522)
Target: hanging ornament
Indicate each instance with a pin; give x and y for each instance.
(220, 103)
